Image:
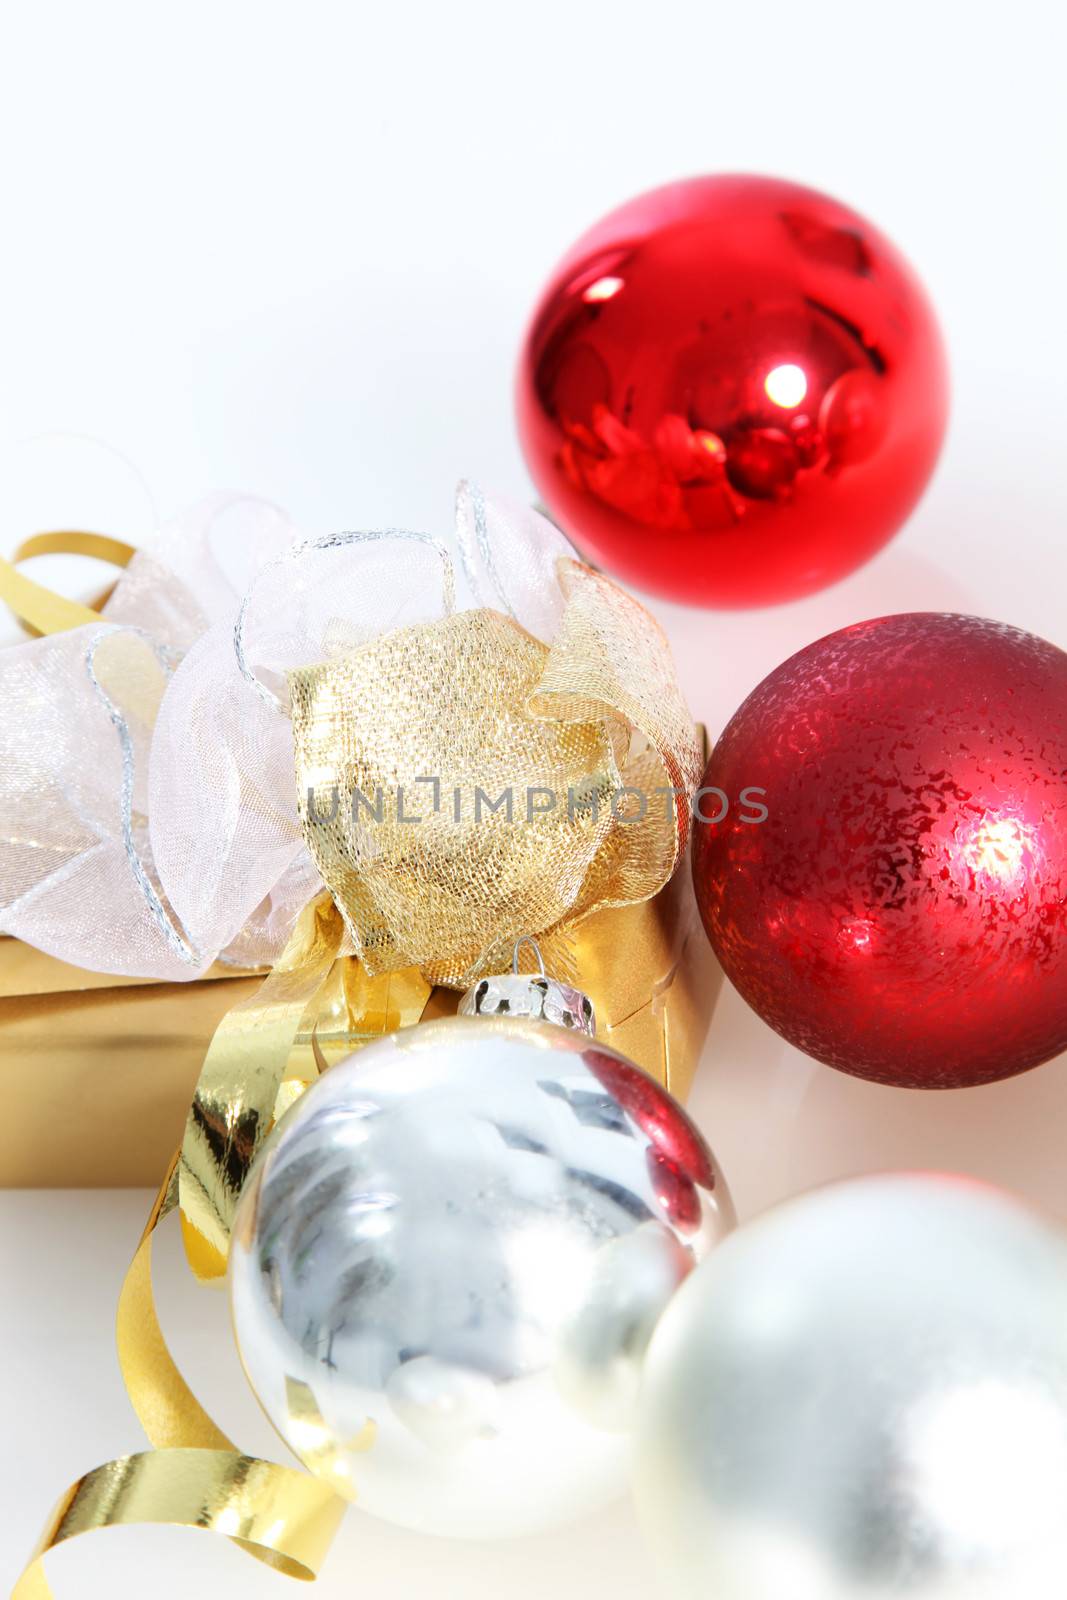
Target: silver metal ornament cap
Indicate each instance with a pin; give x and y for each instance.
(530, 994)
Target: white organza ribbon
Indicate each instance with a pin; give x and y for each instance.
(148, 815)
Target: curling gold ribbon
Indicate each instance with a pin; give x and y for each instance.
(195, 1477)
(217, 1491)
(254, 1068)
(41, 608)
(233, 1107)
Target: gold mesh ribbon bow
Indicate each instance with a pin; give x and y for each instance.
(462, 784)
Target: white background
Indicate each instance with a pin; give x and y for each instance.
(291, 249)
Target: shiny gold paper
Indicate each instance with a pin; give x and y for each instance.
(97, 1072)
(653, 979)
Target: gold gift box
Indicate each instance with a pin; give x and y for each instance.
(97, 1072)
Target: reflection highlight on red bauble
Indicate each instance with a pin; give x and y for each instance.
(678, 1157)
(902, 911)
(732, 391)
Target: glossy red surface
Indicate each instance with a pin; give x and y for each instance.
(902, 912)
(732, 392)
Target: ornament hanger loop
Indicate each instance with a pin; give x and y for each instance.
(530, 994)
(528, 939)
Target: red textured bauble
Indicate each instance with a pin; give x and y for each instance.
(901, 910)
(733, 391)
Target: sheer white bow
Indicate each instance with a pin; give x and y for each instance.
(147, 787)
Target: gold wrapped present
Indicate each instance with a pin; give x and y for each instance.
(97, 1072)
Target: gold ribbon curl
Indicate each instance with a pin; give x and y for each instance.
(264, 1053)
(40, 608)
(254, 1067)
(234, 1105)
(195, 1476)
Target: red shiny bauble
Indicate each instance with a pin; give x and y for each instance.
(901, 911)
(733, 391)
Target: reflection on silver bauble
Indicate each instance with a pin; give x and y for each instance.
(863, 1395)
(448, 1262)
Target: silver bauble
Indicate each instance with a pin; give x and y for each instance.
(861, 1396)
(448, 1262)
